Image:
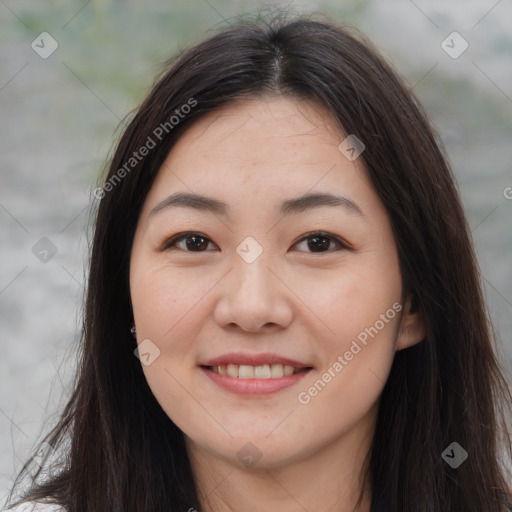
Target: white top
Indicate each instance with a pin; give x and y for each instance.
(33, 506)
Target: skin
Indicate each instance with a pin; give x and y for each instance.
(292, 301)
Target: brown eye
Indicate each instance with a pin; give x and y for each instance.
(193, 242)
(319, 242)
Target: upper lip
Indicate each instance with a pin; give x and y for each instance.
(254, 360)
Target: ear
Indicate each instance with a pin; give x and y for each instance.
(412, 327)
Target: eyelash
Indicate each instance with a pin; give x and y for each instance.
(171, 243)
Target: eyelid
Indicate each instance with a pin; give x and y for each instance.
(169, 243)
(341, 243)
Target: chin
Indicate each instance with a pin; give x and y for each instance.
(259, 452)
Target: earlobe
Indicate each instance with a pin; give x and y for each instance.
(412, 328)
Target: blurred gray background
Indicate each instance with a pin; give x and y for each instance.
(61, 113)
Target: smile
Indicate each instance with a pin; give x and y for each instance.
(265, 371)
(246, 385)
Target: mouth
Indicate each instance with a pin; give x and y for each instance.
(254, 375)
(264, 371)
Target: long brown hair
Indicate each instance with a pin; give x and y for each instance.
(121, 452)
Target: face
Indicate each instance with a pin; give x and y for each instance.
(264, 316)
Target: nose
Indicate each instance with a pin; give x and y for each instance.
(253, 298)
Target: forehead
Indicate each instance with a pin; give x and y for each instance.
(261, 150)
(285, 116)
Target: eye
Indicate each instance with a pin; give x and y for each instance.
(193, 242)
(317, 242)
(320, 241)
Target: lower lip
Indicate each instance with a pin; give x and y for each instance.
(254, 386)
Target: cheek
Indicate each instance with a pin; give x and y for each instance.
(347, 388)
(168, 306)
(362, 313)
(353, 301)
(166, 300)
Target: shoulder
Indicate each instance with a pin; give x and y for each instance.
(33, 506)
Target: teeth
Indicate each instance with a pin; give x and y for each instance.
(262, 372)
(265, 371)
(288, 370)
(277, 371)
(245, 372)
(232, 370)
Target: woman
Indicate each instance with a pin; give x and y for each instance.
(283, 305)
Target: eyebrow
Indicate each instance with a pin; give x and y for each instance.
(287, 207)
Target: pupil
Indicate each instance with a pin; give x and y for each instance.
(198, 242)
(318, 242)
